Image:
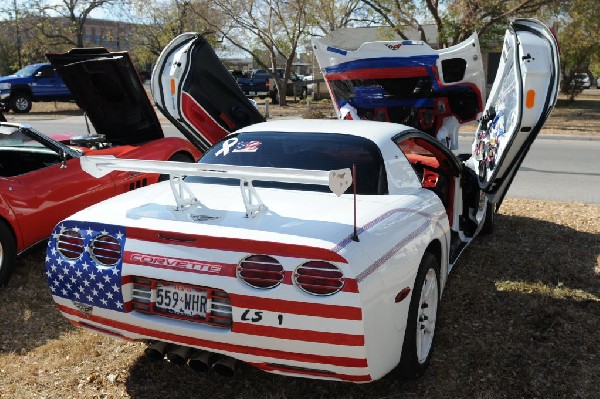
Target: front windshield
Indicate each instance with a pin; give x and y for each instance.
(11, 136)
(26, 71)
(308, 151)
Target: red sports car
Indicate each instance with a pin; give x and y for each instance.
(41, 181)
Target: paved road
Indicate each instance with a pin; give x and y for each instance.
(558, 170)
(555, 169)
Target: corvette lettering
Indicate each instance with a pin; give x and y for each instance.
(174, 263)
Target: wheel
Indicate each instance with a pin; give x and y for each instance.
(490, 219)
(8, 253)
(422, 317)
(179, 157)
(275, 97)
(20, 103)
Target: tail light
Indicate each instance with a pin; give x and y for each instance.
(70, 244)
(268, 84)
(106, 250)
(319, 278)
(260, 271)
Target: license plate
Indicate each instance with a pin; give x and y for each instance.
(252, 93)
(181, 299)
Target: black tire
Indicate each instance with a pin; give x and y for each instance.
(8, 253)
(275, 97)
(490, 219)
(179, 157)
(20, 102)
(422, 317)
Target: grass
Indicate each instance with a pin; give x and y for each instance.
(519, 318)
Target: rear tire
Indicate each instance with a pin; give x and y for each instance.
(422, 315)
(8, 253)
(20, 103)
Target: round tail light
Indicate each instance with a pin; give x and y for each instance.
(319, 278)
(106, 250)
(260, 271)
(70, 244)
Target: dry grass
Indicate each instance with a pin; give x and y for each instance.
(520, 318)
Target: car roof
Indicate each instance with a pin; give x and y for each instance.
(372, 130)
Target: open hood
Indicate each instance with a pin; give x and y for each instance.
(107, 87)
(195, 91)
(404, 82)
(521, 99)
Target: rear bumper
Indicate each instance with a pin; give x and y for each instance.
(287, 351)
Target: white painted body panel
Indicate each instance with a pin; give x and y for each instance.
(393, 231)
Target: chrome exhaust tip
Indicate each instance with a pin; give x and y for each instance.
(200, 362)
(225, 366)
(179, 355)
(157, 350)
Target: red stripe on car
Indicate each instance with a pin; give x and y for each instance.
(299, 335)
(220, 346)
(235, 244)
(297, 308)
(379, 73)
(181, 264)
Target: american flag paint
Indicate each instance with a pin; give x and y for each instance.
(83, 280)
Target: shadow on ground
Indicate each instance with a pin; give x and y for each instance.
(28, 317)
(519, 318)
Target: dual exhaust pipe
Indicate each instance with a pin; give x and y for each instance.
(199, 361)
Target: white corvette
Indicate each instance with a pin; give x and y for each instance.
(307, 248)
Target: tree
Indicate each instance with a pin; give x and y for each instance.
(455, 20)
(579, 24)
(158, 22)
(276, 26)
(75, 13)
(328, 15)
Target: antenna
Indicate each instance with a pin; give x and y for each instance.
(355, 235)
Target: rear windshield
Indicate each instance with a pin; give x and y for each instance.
(308, 151)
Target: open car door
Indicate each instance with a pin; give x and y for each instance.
(522, 97)
(404, 81)
(193, 89)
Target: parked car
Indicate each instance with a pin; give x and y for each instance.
(310, 248)
(41, 181)
(261, 84)
(35, 82)
(582, 80)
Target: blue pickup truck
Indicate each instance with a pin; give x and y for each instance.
(261, 84)
(35, 82)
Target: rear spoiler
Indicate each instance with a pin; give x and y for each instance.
(337, 180)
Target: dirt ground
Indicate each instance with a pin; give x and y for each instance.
(520, 317)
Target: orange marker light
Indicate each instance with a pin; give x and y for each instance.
(172, 86)
(530, 99)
